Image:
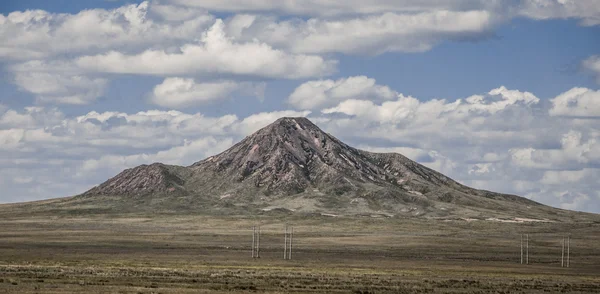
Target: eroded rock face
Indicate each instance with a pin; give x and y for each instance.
(292, 157)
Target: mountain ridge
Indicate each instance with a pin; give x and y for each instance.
(293, 166)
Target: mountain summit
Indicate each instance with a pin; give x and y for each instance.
(291, 165)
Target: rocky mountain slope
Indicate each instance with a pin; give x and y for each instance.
(293, 166)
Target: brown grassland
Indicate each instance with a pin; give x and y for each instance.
(201, 254)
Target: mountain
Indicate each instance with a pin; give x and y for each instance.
(292, 166)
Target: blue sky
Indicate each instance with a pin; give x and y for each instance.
(500, 95)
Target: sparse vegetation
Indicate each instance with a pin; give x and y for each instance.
(141, 253)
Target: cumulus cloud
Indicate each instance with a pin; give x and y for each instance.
(581, 102)
(355, 27)
(176, 13)
(313, 94)
(10, 138)
(585, 10)
(61, 88)
(214, 54)
(573, 152)
(64, 58)
(64, 51)
(553, 177)
(491, 122)
(592, 64)
(184, 92)
(390, 112)
(185, 154)
(35, 34)
(146, 129)
(370, 35)
(588, 11)
(335, 8)
(407, 109)
(30, 117)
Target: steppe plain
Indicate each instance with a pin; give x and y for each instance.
(173, 253)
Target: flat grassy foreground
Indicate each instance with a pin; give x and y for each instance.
(199, 254)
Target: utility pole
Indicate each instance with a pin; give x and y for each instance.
(253, 241)
(288, 235)
(527, 249)
(285, 233)
(258, 243)
(521, 248)
(291, 236)
(562, 258)
(569, 251)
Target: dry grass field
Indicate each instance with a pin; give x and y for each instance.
(201, 254)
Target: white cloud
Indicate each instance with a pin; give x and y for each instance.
(588, 11)
(313, 94)
(176, 13)
(528, 157)
(10, 138)
(216, 53)
(574, 152)
(581, 102)
(37, 33)
(510, 97)
(553, 177)
(31, 117)
(63, 58)
(390, 112)
(49, 132)
(61, 88)
(407, 109)
(148, 129)
(585, 10)
(186, 154)
(332, 8)
(355, 27)
(14, 118)
(481, 168)
(592, 64)
(184, 92)
(370, 35)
